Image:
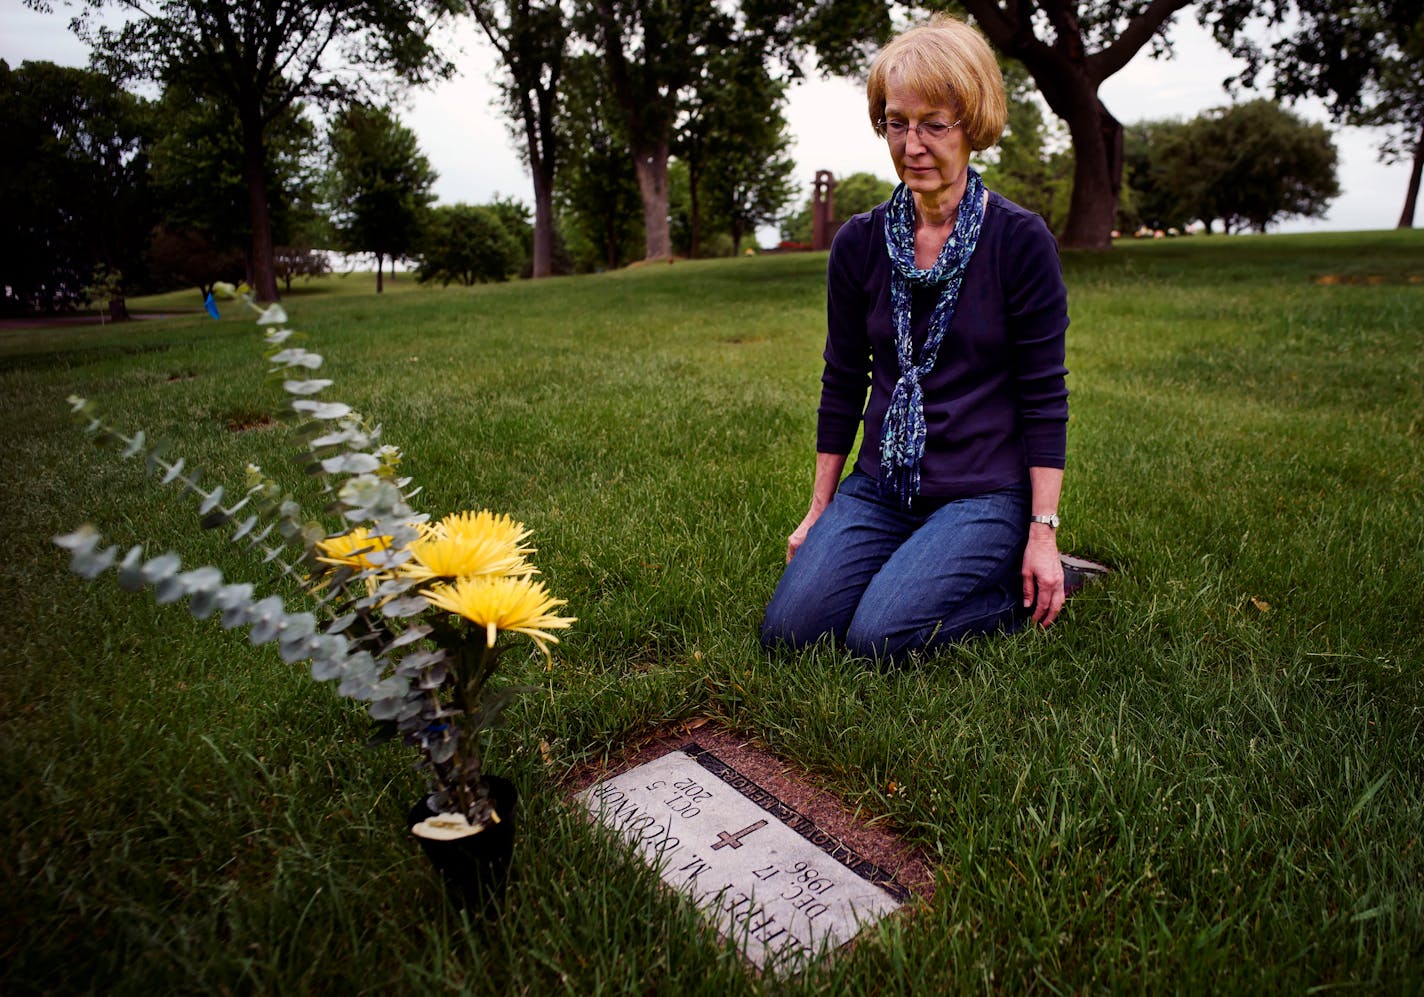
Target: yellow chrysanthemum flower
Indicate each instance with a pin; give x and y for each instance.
(466, 544)
(351, 548)
(499, 602)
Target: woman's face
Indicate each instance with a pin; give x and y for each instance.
(930, 167)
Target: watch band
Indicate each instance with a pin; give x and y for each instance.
(1051, 520)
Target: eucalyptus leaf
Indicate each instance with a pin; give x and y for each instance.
(351, 463)
(410, 636)
(385, 709)
(204, 579)
(326, 669)
(211, 501)
(341, 623)
(234, 595)
(435, 676)
(295, 357)
(169, 589)
(84, 538)
(404, 607)
(321, 410)
(131, 571)
(162, 567)
(135, 445)
(91, 564)
(442, 750)
(310, 387)
(235, 616)
(202, 603)
(266, 616)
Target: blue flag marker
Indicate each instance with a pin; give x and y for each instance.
(211, 305)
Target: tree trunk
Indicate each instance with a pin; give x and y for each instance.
(118, 309)
(541, 168)
(1097, 176)
(694, 221)
(379, 285)
(1411, 195)
(264, 273)
(542, 265)
(651, 166)
(1068, 77)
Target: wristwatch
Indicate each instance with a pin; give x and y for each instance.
(1051, 520)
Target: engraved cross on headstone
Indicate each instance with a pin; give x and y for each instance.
(735, 840)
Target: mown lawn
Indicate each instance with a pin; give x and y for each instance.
(1208, 776)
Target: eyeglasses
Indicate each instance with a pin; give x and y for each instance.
(898, 129)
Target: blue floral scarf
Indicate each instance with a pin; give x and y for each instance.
(902, 444)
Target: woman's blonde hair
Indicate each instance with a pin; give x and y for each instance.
(946, 62)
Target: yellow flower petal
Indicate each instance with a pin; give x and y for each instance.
(465, 544)
(503, 603)
(351, 548)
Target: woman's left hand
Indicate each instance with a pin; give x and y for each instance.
(1042, 575)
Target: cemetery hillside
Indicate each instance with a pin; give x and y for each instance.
(1207, 776)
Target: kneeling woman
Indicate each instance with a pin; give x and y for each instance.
(948, 302)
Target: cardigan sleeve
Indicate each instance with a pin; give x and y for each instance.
(1037, 312)
(846, 377)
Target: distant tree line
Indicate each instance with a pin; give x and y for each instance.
(1246, 166)
(650, 127)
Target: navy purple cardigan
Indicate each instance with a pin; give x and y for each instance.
(995, 403)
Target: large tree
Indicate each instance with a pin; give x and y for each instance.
(201, 192)
(736, 160)
(597, 191)
(1366, 61)
(651, 51)
(74, 182)
(532, 39)
(379, 184)
(1249, 165)
(467, 244)
(1029, 165)
(260, 58)
(1070, 48)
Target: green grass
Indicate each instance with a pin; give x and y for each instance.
(1207, 776)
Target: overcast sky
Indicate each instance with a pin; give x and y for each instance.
(462, 131)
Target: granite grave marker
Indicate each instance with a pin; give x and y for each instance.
(783, 888)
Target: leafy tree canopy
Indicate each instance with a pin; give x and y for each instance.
(1249, 165)
(260, 59)
(379, 183)
(597, 193)
(467, 244)
(1365, 61)
(74, 182)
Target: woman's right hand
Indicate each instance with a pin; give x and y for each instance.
(798, 535)
(828, 475)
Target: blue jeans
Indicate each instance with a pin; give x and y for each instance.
(884, 581)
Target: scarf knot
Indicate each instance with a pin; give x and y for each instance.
(902, 441)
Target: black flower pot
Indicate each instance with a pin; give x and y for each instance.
(475, 868)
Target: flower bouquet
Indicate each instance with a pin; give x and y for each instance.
(405, 614)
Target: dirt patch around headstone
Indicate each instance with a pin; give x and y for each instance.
(791, 784)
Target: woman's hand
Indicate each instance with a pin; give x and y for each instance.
(1042, 574)
(823, 490)
(798, 535)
